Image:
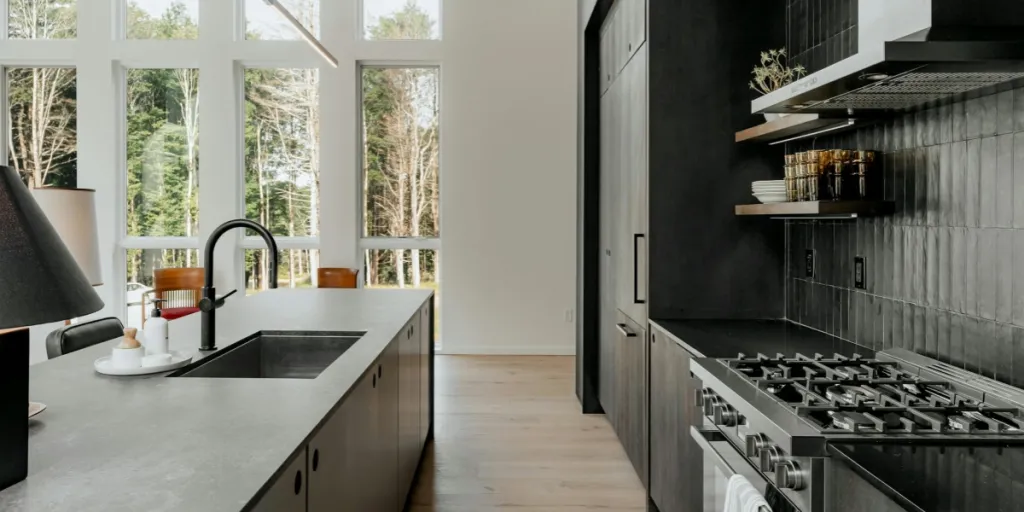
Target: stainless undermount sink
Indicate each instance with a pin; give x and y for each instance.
(275, 355)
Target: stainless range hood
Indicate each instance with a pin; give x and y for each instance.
(912, 52)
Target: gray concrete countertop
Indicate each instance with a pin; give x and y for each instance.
(193, 444)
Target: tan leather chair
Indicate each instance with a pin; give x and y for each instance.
(179, 288)
(337, 278)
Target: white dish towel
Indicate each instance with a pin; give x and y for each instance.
(742, 496)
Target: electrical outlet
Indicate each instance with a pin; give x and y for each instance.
(569, 316)
(858, 273)
(809, 263)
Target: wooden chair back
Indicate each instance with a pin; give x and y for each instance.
(177, 287)
(337, 278)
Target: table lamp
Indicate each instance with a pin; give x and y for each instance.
(40, 282)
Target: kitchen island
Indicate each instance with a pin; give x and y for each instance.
(352, 435)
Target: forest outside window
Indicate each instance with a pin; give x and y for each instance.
(282, 150)
(42, 19)
(262, 22)
(162, 19)
(385, 20)
(162, 153)
(400, 153)
(42, 123)
(296, 268)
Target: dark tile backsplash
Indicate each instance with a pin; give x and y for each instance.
(820, 33)
(945, 273)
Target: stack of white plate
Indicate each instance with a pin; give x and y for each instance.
(773, 191)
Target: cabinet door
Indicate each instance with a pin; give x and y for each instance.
(676, 461)
(408, 406)
(631, 422)
(288, 494)
(608, 254)
(386, 461)
(342, 472)
(635, 21)
(632, 266)
(426, 335)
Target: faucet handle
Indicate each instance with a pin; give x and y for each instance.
(220, 301)
(209, 303)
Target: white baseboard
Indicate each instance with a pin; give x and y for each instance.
(509, 350)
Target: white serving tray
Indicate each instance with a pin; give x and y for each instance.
(178, 359)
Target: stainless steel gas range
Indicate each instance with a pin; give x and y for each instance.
(779, 413)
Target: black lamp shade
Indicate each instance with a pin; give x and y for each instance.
(39, 279)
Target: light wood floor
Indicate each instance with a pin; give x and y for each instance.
(509, 434)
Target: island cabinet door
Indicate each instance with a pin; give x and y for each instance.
(341, 476)
(386, 441)
(426, 350)
(288, 492)
(408, 407)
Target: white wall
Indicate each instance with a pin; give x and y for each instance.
(508, 177)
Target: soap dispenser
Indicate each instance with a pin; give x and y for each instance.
(156, 331)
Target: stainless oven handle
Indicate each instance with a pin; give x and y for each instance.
(740, 466)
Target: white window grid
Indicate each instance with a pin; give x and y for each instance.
(100, 54)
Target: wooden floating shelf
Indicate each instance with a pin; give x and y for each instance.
(793, 127)
(818, 209)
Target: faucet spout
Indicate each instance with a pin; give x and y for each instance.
(208, 304)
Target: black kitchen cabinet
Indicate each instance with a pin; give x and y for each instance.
(676, 461)
(630, 416)
(409, 398)
(426, 337)
(288, 492)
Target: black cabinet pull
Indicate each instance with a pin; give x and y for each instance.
(298, 482)
(316, 459)
(375, 382)
(636, 269)
(654, 339)
(626, 333)
(380, 370)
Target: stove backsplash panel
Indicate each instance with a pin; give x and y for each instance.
(945, 274)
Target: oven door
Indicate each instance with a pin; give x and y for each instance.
(721, 462)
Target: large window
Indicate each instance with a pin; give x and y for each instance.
(401, 19)
(296, 268)
(282, 150)
(43, 119)
(263, 22)
(162, 19)
(401, 153)
(162, 152)
(42, 19)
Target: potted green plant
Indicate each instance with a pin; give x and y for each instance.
(773, 74)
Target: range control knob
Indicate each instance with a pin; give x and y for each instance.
(711, 402)
(771, 456)
(755, 443)
(788, 475)
(726, 416)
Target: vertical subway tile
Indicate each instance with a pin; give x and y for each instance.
(910, 270)
(1004, 181)
(985, 258)
(1018, 277)
(975, 112)
(898, 268)
(931, 334)
(956, 341)
(945, 124)
(1004, 352)
(920, 121)
(943, 259)
(900, 186)
(972, 184)
(986, 342)
(884, 260)
(931, 266)
(1004, 275)
(909, 138)
(958, 169)
(987, 188)
(972, 349)
(1018, 360)
(896, 325)
(971, 272)
(921, 179)
(886, 324)
(944, 202)
(919, 329)
(1018, 109)
(989, 115)
(957, 270)
(1018, 178)
(919, 279)
(959, 119)
(878, 322)
(942, 332)
(889, 177)
(1004, 112)
(867, 328)
(931, 132)
(933, 170)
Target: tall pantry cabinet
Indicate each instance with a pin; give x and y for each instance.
(623, 244)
